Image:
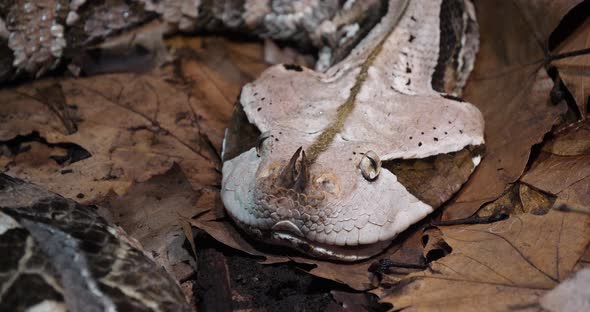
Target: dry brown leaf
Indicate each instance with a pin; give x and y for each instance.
(511, 88)
(150, 213)
(518, 199)
(567, 177)
(553, 173)
(121, 124)
(134, 126)
(543, 16)
(563, 168)
(188, 233)
(499, 266)
(435, 246)
(575, 71)
(565, 174)
(573, 140)
(225, 232)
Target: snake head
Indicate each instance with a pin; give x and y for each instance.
(336, 164)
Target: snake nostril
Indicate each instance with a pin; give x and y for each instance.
(327, 184)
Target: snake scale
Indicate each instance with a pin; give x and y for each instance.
(58, 255)
(334, 162)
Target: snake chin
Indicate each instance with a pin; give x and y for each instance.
(301, 219)
(287, 234)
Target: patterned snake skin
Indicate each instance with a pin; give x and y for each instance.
(58, 255)
(38, 35)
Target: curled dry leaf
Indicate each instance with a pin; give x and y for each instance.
(511, 88)
(498, 266)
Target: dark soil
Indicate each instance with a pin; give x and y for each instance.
(251, 286)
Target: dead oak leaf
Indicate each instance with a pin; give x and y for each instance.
(510, 86)
(498, 266)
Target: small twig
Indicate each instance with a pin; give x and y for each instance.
(473, 220)
(560, 56)
(566, 208)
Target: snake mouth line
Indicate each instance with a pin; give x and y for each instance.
(326, 251)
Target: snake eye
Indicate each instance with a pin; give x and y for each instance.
(370, 165)
(261, 138)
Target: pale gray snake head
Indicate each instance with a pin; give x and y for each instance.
(317, 161)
